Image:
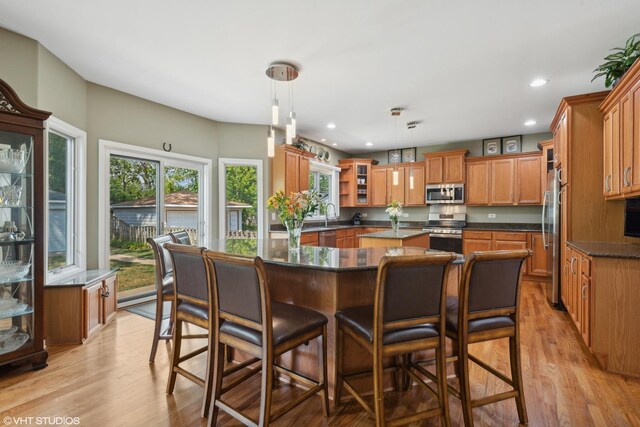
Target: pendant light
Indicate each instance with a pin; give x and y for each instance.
(410, 126)
(271, 142)
(282, 72)
(395, 112)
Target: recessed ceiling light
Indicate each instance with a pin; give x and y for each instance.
(539, 82)
(331, 125)
(323, 140)
(369, 144)
(530, 123)
(335, 144)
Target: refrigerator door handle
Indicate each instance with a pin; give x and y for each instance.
(545, 241)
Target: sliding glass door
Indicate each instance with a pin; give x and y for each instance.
(148, 195)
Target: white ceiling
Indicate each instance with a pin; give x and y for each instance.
(461, 66)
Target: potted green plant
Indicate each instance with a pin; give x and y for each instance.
(618, 63)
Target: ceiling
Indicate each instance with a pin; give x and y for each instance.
(462, 67)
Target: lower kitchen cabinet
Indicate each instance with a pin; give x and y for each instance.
(79, 306)
(309, 239)
(536, 265)
(602, 299)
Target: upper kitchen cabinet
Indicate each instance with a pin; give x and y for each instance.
(22, 243)
(621, 135)
(290, 169)
(403, 182)
(445, 167)
(355, 182)
(508, 180)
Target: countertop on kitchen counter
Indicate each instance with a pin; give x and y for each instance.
(607, 249)
(494, 226)
(402, 233)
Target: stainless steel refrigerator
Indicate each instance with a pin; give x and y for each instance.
(551, 237)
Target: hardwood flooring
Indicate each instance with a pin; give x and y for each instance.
(108, 382)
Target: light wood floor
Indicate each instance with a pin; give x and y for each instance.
(108, 382)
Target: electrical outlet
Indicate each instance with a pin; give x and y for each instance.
(364, 215)
(492, 215)
(273, 216)
(405, 215)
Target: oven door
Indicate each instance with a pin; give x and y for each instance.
(445, 243)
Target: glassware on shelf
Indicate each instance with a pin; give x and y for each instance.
(13, 160)
(11, 195)
(11, 271)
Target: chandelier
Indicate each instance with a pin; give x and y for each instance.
(280, 72)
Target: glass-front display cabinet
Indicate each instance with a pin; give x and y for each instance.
(22, 255)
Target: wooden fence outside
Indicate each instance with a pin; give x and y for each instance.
(120, 230)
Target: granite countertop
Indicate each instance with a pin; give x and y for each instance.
(333, 225)
(390, 234)
(607, 249)
(87, 277)
(275, 251)
(496, 226)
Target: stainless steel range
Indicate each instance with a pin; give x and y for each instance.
(445, 230)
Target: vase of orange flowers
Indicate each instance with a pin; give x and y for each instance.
(292, 210)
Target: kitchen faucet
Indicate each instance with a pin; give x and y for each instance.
(326, 213)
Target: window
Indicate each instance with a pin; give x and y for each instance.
(240, 198)
(66, 246)
(323, 179)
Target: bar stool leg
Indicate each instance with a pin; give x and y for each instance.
(337, 390)
(156, 331)
(322, 369)
(443, 393)
(266, 389)
(378, 388)
(175, 356)
(208, 383)
(516, 376)
(465, 392)
(218, 372)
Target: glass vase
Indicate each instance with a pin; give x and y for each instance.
(294, 230)
(394, 224)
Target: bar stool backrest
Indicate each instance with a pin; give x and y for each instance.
(181, 237)
(190, 274)
(164, 264)
(491, 280)
(240, 289)
(411, 289)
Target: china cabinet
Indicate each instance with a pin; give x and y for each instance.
(21, 231)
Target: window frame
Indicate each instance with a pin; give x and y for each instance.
(76, 200)
(223, 162)
(334, 195)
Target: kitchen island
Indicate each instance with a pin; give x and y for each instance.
(414, 238)
(326, 280)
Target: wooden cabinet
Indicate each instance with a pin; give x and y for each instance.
(621, 137)
(356, 188)
(530, 180)
(478, 182)
(345, 238)
(536, 264)
(445, 167)
(79, 306)
(502, 182)
(309, 239)
(537, 261)
(560, 135)
(22, 131)
(290, 171)
(577, 295)
(407, 187)
(505, 180)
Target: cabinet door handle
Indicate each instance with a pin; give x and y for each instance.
(105, 293)
(572, 261)
(607, 183)
(584, 292)
(627, 183)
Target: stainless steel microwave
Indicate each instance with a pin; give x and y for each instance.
(444, 193)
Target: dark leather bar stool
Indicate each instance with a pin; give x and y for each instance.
(408, 315)
(245, 318)
(181, 237)
(164, 290)
(191, 305)
(488, 308)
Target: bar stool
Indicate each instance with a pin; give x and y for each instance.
(408, 315)
(245, 318)
(487, 308)
(181, 237)
(164, 290)
(191, 305)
